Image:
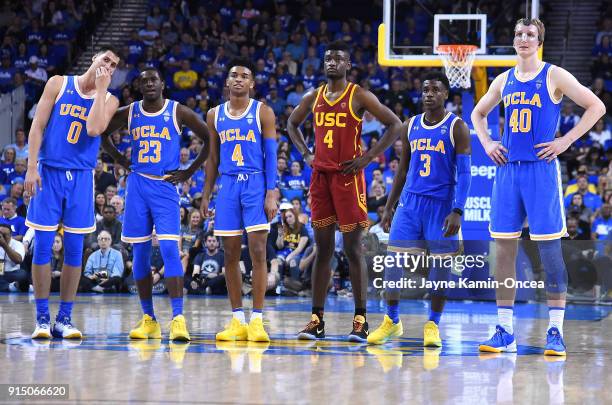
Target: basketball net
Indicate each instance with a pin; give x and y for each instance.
(458, 60)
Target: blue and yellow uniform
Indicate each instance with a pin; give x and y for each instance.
(428, 194)
(150, 200)
(528, 186)
(242, 187)
(67, 159)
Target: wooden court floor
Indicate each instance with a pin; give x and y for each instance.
(105, 367)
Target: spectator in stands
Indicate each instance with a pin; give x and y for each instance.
(103, 179)
(20, 146)
(311, 60)
(189, 238)
(104, 268)
(7, 74)
(296, 95)
(22, 209)
(9, 217)
(148, 34)
(583, 214)
(110, 192)
(8, 162)
(600, 134)
(592, 201)
(371, 126)
(209, 269)
(574, 232)
(21, 167)
(184, 161)
(57, 261)
(568, 119)
(390, 173)
(17, 191)
(109, 224)
(602, 224)
(296, 180)
(118, 203)
(291, 241)
(377, 198)
(186, 78)
(12, 252)
(100, 203)
(35, 78)
(281, 168)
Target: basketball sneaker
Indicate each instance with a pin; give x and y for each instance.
(315, 329)
(256, 331)
(360, 330)
(501, 341)
(234, 331)
(63, 329)
(554, 343)
(431, 335)
(178, 329)
(147, 328)
(43, 329)
(386, 331)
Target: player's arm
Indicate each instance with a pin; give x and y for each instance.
(41, 118)
(268, 128)
(463, 154)
(398, 181)
(186, 116)
(118, 121)
(297, 117)
(212, 163)
(564, 83)
(495, 150)
(366, 100)
(103, 107)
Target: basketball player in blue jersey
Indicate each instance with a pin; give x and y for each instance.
(432, 186)
(152, 200)
(71, 114)
(528, 180)
(243, 151)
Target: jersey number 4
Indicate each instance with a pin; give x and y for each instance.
(520, 120)
(145, 147)
(237, 155)
(329, 139)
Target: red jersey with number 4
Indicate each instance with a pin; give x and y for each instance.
(337, 129)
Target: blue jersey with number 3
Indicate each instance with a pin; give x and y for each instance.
(241, 147)
(65, 143)
(531, 113)
(156, 139)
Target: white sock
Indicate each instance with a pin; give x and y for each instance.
(255, 315)
(556, 316)
(239, 314)
(505, 315)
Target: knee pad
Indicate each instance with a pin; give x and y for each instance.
(141, 265)
(43, 243)
(172, 260)
(554, 267)
(73, 248)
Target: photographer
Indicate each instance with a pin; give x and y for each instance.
(104, 267)
(12, 277)
(209, 269)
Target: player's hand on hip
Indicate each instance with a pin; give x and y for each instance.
(452, 223)
(385, 221)
(355, 165)
(103, 78)
(32, 183)
(496, 151)
(550, 150)
(177, 176)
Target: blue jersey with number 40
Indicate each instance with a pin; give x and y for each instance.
(531, 111)
(241, 147)
(65, 143)
(156, 139)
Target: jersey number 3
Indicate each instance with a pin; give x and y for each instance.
(426, 159)
(145, 147)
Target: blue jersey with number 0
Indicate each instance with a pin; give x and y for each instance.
(156, 139)
(531, 111)
(65, 143)
(241, 147)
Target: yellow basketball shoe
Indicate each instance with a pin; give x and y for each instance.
(178, 329)
(386, 331)
(431, 335)
(256, 331)
(236, 330)
(147, 328)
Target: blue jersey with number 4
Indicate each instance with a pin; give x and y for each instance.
(241, 147)
(156, 139)
(531, 111)
(65, 143)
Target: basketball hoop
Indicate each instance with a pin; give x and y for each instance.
(458, 60)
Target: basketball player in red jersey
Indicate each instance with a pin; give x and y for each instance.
(337, 187)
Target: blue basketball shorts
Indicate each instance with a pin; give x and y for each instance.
(240, 204)
(417, 225)
(66, 196)
(531, 190)
(150, 201)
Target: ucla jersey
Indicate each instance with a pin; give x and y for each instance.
(531, 113)
(65, 143)
(241, 140)
(155, 139)
(432, 170)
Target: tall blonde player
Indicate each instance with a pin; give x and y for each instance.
(528, 180)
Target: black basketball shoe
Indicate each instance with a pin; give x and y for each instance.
(314, 330)
(360, 330)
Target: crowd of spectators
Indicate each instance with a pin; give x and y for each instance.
(191, 44)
